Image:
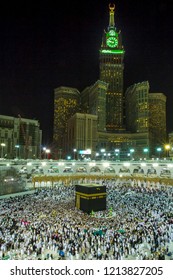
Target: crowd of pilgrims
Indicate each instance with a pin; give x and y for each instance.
(137, 224)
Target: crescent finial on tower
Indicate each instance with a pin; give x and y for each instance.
(111, 7)
(111, 15)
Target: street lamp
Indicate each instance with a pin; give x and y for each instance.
(131, 152)
(146, 151)
(2, 149)
(97, 155)
(17, 151)
(117, 153)
(74, 150)
(47, 152)
(102, 151)
(159, 150)
(167, 148)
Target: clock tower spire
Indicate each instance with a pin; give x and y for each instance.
(111, 15)
(112, 72)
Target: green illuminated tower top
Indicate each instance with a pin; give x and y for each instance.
(112, 42)
(111, 72)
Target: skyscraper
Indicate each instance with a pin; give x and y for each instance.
(146, 112)
(113, 120)
(157, 120)
(93, 101)
(137, 107)
(82, 132)
(66, 104)
(112, 72)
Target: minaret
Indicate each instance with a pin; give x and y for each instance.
(112, 72)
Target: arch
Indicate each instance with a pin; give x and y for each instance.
(124, 171)
(138, 170)
(109, 169)
(151, 172)
(95, 169)
(81, 169)
(165, 172)
(53, 169)
(68, 169)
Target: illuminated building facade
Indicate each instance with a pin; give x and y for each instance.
(146, 112)
(20, 138)
(157, 120)
(93, 101)
(112, 72)
(137, 107)
(170, 141)
(82, 132)
(66, 104)
(123, 142)
(134, 120)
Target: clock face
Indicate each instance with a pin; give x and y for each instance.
(112, 42)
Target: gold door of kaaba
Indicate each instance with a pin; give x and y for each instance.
(78, 201)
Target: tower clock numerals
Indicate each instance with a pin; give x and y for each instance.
(112, 42)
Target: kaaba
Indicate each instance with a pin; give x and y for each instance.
(90, 197)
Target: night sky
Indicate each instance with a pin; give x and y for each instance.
(47, 44)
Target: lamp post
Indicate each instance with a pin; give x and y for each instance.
(97, 155)
(159, 151)
(102, 151)
(146, 150)
(131, 153)
(74, 151)
(167, 148)
(2, 149)
(47, 152)
(17, 151)
(117, 153)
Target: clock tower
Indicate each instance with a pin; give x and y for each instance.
(112, 72)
